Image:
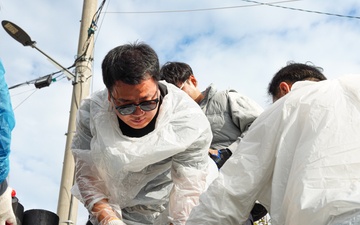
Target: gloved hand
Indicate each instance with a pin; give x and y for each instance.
(116, 222)
(7, 215)
(221, 157)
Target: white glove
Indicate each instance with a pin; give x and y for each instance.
(7, 215)
(116, 222)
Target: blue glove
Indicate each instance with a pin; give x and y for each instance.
(221, 157)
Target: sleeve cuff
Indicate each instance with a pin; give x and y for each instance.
(3, 186)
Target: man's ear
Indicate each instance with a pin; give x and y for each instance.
(109, 96)
(284, 88)
(193, 80)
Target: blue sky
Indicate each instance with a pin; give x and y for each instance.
(240, 47)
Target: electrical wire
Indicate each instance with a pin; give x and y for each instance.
(24, 100)
(198, 10)
(256, 3)
(96, 37)
(34, 80)
(91, 31)
(303, 10)
(20, 93)
(102, 21)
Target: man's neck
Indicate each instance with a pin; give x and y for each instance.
(199, 98)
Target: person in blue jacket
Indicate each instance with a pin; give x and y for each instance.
(7, 123)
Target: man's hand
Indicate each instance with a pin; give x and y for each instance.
(7, 216)
(105, 214)
(213, 151)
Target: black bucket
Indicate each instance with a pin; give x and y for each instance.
(40, 217)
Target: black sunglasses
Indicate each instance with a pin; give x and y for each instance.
(131, 108)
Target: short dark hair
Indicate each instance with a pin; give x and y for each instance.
(175, 72)
(131, 64)
(294, 72)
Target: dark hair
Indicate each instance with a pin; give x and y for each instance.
(131, 64)
(294, 72)
(175, 72)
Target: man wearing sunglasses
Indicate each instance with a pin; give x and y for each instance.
(141, 145)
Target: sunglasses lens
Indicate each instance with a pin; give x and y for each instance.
(144, 106)
(127, 110)
(148, 106)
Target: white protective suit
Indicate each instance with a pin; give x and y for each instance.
(300, 159)
(154, 179)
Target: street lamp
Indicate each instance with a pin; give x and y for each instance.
(67, 204)
(21, 36)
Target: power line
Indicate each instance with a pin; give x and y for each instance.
(20, 93)
(39, 78)
(197, 10)
(98, 28)
(25, 99)
(256, 3)
(33, 90)
(303, 10)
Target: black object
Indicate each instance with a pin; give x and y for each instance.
(43, 81)
(220, 159)
(18, 210)
(40, 217)
(258, 211)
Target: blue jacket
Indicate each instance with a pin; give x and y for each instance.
(7, 123)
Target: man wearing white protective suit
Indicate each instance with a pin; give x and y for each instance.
(300, 158)
(140, 146)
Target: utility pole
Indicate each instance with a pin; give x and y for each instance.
(67, 204)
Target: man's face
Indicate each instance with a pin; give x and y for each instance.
(123, 96)
(186, 87)
(189, 87)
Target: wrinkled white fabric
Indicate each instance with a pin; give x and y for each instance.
(300, 159)
(139, 176)
(7, 216)
(116, 222)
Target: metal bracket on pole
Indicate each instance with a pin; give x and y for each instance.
(69, 74)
